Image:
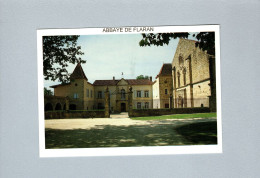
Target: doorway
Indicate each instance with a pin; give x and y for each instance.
(123, 107)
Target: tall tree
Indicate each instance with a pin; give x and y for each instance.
(206, 40)
(58, 52)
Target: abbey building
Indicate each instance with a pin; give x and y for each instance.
(187, 82)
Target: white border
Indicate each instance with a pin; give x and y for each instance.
(124, 151)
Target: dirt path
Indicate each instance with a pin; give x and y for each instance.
(120, 132)
(67, 124)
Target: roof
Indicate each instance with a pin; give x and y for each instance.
(63, 84)
(166, 69)
(129, 81)
(78, 73)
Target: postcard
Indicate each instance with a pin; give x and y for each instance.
(119, 91)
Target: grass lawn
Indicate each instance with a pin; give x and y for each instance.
(177, 116)
(199, 133)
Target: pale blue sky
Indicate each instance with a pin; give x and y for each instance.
(110, 55)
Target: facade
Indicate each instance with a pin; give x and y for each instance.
(118, 93)
(189, 81)
(162, 87)
(191, 76)
(82, 95)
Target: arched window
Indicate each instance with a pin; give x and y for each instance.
(179, 75)
(184, 76)
(181, 61)
(123, 94)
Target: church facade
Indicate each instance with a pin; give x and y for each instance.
(191, 76)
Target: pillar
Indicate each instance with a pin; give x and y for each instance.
(171, 101)
(107, 115)
(174, 87)
(191, 82)
(130, 102)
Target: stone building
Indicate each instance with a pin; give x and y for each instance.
(118, 92)
(82, 95)
(162, 87)
(191, 76)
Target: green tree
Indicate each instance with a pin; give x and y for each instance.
(206, 40)
(142, 77)
(58, 52)
(47, 92)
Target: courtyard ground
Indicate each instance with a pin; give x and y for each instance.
(121, 131)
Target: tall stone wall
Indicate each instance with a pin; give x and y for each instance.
(191, 76)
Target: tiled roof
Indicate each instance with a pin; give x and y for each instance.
(129, 81)
(105, 82)
(166, 69)
(63, 84)
(78, 73)
(139, 82)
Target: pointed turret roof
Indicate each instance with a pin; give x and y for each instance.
(78, 73)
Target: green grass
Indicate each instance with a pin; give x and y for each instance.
(177, 116)
(199, 133)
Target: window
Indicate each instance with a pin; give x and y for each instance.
(166, 91)
(75, 96)
(184, 76)
(99, 94)
(139, 94)
(122, 94)
(146, 106)
(87, 92)
(146, 94)
(179, 82)
(138, 105)
(91, 93)
(181, 61)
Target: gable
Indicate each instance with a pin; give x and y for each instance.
(122, 82)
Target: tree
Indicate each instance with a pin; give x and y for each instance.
(206, 40)
(47, 92)
(142, 77)
(58, 52)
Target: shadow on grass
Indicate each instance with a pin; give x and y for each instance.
(199, 133)
(119, 136)
(113, 136)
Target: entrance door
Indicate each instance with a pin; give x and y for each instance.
(123, 107)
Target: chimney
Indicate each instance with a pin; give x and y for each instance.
(113, 77)
(151, 78)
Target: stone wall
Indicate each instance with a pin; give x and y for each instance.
(191, 77)
(159, 112)
(74, 114)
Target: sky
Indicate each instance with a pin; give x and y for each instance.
(111, 55)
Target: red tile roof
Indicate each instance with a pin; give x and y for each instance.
(78, 73)
(165, 70)
(129, 81)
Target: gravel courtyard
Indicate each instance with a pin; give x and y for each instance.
(122, 132)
